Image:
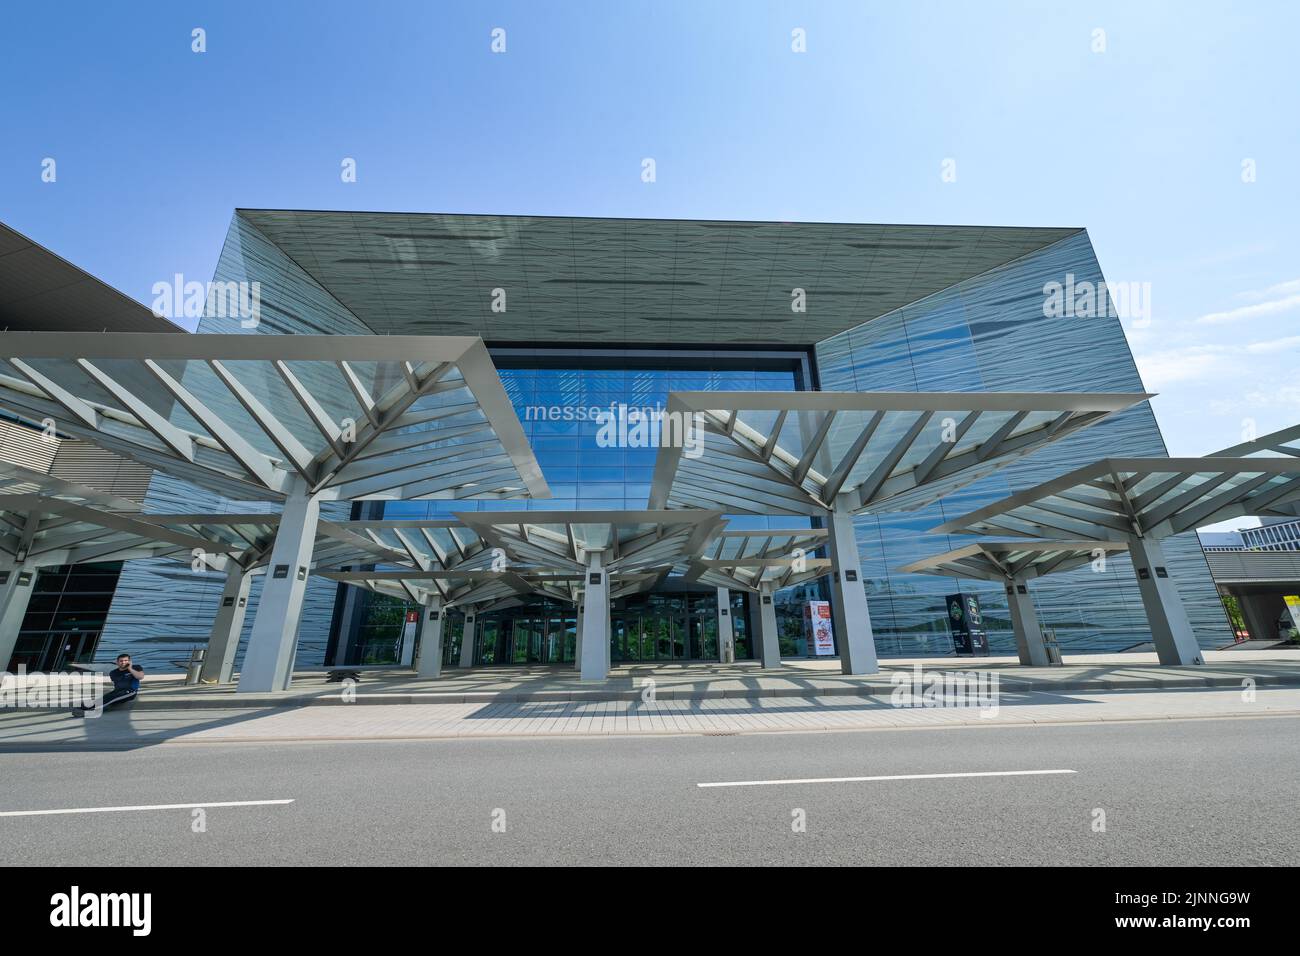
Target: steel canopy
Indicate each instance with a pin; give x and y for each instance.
(809, 452)
(249, 416)
(1125, 498)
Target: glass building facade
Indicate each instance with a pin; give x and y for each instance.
(561, 410)
(608, 312)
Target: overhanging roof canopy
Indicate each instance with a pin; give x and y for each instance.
(456, 587)
(796, 452)
(41, 291)
(761, 559)
(1284, 443)
(41, 531)
(462, 586)
(19, 480)
(614, 281)
(1119, 498)
(246, 416)
(1012, 560)
(250, 537)
(425, 543)
(561, 540)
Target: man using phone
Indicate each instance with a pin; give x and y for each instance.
(126, 684)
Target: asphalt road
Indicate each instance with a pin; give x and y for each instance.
(1179, 792)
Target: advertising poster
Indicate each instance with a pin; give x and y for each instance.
(966, 624)
(817, 629)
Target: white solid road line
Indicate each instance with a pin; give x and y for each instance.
(901, 776)
(159, 806)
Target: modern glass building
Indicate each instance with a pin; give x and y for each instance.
(584, 314)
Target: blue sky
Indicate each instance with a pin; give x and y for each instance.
(1143, 143)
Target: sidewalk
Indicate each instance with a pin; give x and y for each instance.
(55, 731)
(746, 680)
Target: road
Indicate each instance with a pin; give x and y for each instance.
(1178, 792)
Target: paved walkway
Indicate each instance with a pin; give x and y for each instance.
(747, 680)
(46, 730)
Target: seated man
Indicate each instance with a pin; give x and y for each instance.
(126, 684)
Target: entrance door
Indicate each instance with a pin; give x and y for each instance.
(528, 640)
(681, 633)
(74, 647)
(704, 634)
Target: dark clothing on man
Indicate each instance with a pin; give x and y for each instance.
(125, 687)
(124, 679)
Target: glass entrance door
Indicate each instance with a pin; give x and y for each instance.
(76, 647)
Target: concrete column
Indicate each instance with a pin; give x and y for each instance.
(15, 594)
(726, 636)
(1261, 613)
(1254, 619)
(273, 644)
(223, 642)
(849, 612)
(577, 651)
(430, 662)
(769, 643)
(1024, 625)
(467, 638)
(1170, 630)
(595, 620)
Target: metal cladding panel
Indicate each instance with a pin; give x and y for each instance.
(990, 333)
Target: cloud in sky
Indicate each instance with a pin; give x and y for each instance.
(1281, 288)
(1270, 307)
(1229, 361)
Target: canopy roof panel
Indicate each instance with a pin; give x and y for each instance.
(19, 480)
(250, 538)
(1118, 498)
(1284, 443)
(425, 543)
(561, 540)
(248, 416)
(463, 587)
(797, 452)
(42, 531)
(753, 560)
(1013, 560)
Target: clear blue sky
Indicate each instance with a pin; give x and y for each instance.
(1142, 144)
